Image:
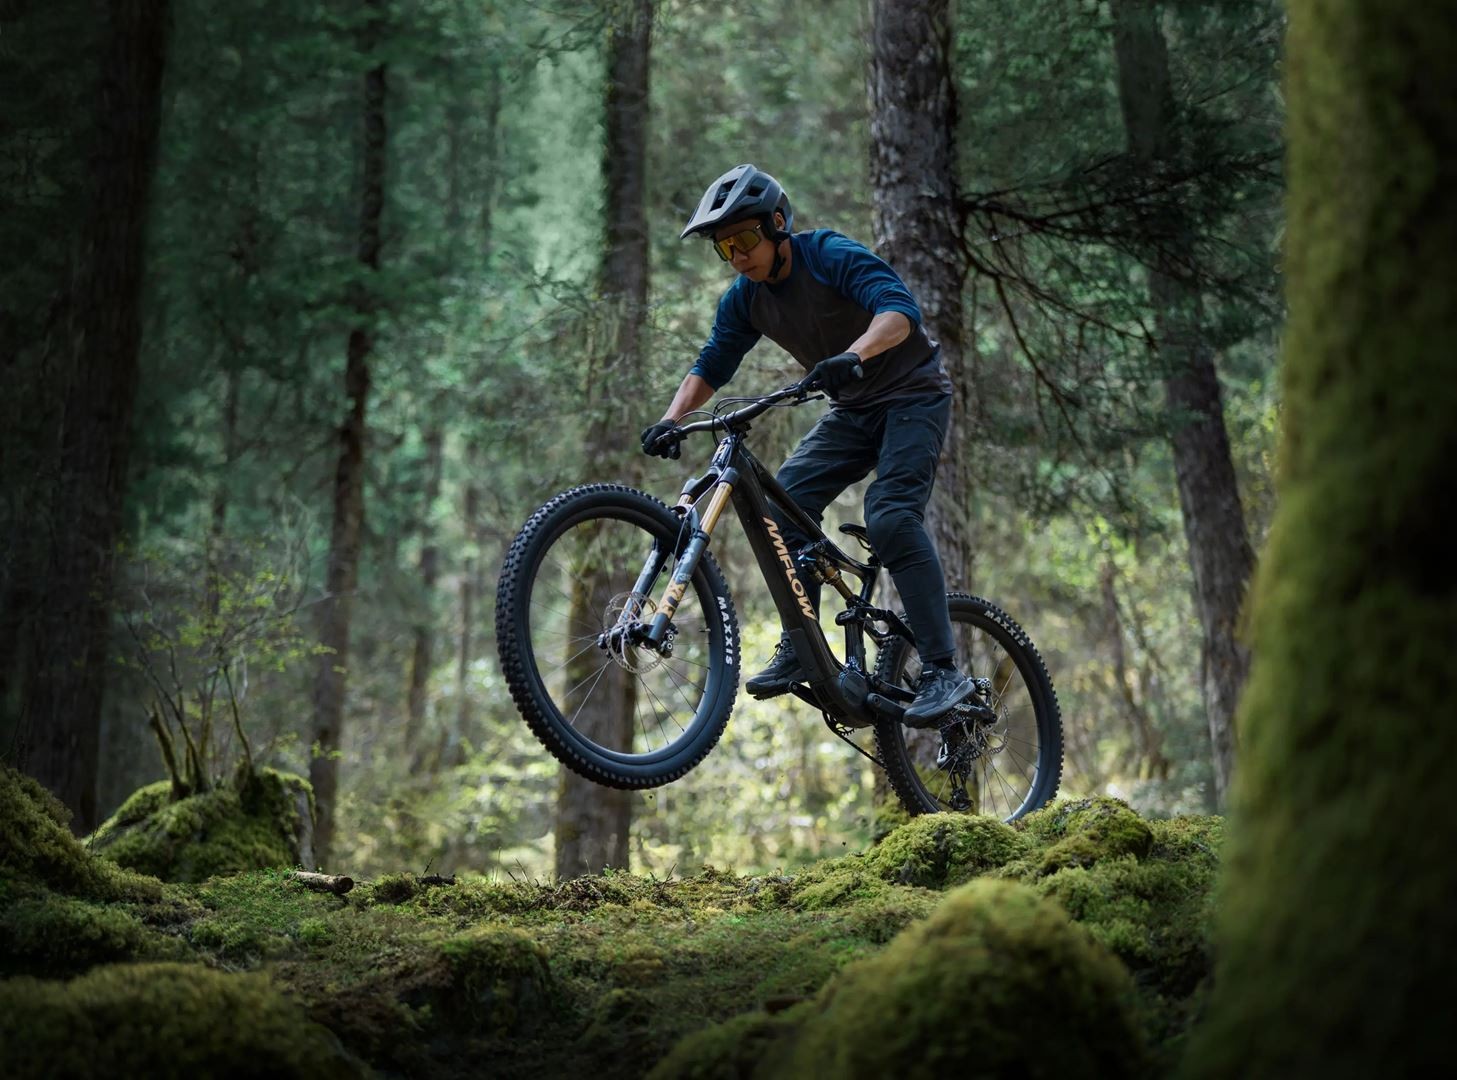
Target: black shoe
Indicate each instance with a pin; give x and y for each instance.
(782, 673)
(940, 690)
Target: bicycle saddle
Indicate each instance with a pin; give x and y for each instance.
(859, 533)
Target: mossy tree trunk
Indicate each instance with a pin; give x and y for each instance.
(592, 822)
(1220, 554)
(1338, 925)
(337, 609)
(69, 644)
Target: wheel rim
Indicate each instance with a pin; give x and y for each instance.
(992, 755)
(622, 701)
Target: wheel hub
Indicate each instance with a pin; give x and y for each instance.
(625, 617)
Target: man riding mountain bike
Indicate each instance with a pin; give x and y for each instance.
(846, 316)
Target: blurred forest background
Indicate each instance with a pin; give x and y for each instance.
(257, 481)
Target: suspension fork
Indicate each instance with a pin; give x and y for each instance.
(656, 632)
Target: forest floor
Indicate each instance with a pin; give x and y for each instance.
(1073, 942)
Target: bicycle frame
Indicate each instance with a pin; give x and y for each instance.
(846, 691)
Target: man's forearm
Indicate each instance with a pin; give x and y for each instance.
(886, 331)
(692, 393)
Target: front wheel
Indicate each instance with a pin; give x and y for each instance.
(1001, 752)
(589, 562)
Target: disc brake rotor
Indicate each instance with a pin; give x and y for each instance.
(623, 613)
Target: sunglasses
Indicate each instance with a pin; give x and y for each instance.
(744, 241)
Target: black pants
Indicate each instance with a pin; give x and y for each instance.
(901, 441)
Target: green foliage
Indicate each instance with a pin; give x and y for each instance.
(204, 622)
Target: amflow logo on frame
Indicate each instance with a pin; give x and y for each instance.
(795, 585)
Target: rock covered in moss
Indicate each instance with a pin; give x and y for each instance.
(162, 1020)
(265, 822)
(940, 850)
(38, 849)
(996, 982)
(1081, 832)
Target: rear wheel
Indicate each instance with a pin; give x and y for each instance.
(617, 712)
(1000, 752)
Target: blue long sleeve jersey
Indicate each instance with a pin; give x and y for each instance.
(834, 288)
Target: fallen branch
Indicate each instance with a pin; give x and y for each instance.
(329, 883)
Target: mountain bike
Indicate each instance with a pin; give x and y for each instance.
(619, 641)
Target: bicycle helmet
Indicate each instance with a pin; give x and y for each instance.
(744, 191)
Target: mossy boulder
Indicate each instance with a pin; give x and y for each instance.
(38, 850)
(162, 1020)
(57, 935)
(264, 821)
(1080, 832)
(937, 851)
(996, 982)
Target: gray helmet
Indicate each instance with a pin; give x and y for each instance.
(744, 191)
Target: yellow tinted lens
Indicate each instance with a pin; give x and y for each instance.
(744, 241)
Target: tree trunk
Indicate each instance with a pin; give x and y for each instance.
(422, 656)
(218, 516)
(1220, 554)
(452, 750)
(593, 821)
(69, 646)
(918, 224)
(337, 608)
(1337, 927)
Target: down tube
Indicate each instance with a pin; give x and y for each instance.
(776, 563)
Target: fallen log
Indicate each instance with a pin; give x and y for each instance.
(329, 883)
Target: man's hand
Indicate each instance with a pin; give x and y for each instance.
(835, 373)
(662, 439)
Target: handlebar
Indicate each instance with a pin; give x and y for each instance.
(729, 421)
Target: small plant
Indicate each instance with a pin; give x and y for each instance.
(201, 620)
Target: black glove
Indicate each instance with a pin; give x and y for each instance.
(834, 374)
(662, 439)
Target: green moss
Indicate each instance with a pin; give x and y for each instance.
(499, 978)
(36, 845)
(59, 936)
(834, 883)
(731, 1050)
(394, 889)
(940, 850)
(996, 982)
(223, 831)
(162, 1020)
(314, 933)
(1074, 833)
